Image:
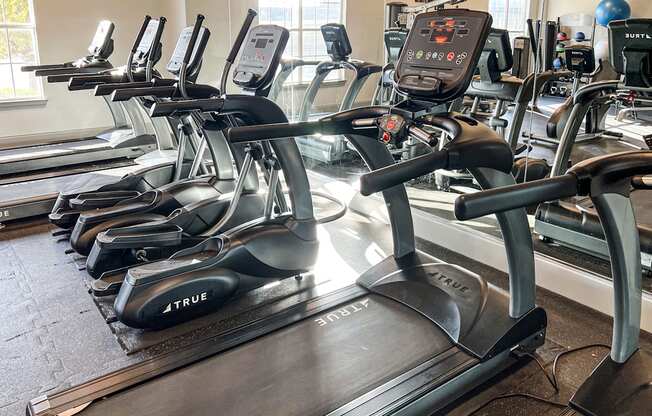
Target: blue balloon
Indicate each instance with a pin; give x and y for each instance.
(580, 36)
(609, 10)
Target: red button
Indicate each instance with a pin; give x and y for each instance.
(391, 125)
(450, 56)
(386, 137)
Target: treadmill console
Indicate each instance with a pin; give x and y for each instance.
(260, 56)
(441, 52)
(337, 41)
(102, 43)
(394, 41)
(580, 58)
(174, 66)
(147, 41)
(630, 50)
(499, 42)
(496, 56)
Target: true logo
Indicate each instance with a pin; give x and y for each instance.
(448, 281)
(343, 312)
(186, 302)
(637, 36)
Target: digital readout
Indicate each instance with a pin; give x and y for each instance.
(442, 35)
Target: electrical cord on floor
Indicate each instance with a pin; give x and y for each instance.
(552, 379)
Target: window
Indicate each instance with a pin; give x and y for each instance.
(304, 19)
(17, 48)
(510, 15)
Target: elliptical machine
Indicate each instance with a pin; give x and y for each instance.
(155, 168)
(277, 244)
(204, 213)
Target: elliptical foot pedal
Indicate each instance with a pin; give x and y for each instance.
(107, 285)
(61, 233)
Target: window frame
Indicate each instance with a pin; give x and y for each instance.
(40, 96)
(300, 30)
(526, 8)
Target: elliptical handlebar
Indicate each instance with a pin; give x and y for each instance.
(239, 40)
(156, 48)
(141, 33)
(193, 38)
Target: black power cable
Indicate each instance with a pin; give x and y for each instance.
(552, 379)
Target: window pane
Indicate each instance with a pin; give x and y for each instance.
(17, 11)
(26, 85)
(498, 10)
(21, 45)
(516, 15)
(283, 13)
(314, 45)
(319, 12)
(6, 88)
(4, 47)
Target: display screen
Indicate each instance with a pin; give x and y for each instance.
(442, 35)
(261, 43)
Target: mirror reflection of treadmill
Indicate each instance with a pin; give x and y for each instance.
(333, 149)
(31, 177)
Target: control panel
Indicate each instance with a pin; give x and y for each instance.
(260, 56)
(102, 41)
(394, 41)
(147, 41)
(630, 50)
(580, 58)
(498, 42)
(338, 45)
(174, 66)
(441, 53)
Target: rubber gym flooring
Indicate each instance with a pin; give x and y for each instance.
(53, 335)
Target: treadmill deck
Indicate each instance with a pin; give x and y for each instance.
(310, 368)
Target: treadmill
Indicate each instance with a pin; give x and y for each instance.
(31, 177)
(394, 39)
(573, 221)
(332, 149)
(126, 140)
(412, 336)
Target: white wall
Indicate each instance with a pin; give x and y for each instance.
(64, 30)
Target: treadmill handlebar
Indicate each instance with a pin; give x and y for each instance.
(589, 92)
(89, 82)
(521, 195)
(34, 68)
(109, 88)
(169, 108)
(125, 94)
(393, 175)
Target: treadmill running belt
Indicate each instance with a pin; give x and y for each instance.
(310, 368)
